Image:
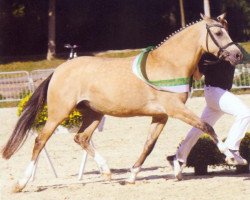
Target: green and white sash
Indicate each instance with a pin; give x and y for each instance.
(178, 85)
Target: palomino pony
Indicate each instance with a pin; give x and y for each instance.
(109, 86)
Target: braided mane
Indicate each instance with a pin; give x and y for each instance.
(174, 33)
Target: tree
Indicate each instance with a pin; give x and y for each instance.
(183, 22)
(206, 8)
(51, 30)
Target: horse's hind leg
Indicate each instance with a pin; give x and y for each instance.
(91, 120)
(156, 127)
(40, 142)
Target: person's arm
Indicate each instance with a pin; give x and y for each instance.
(197, 74)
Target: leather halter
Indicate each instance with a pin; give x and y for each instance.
(221, 49)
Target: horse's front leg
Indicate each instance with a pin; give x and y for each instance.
(156, 127)
(180, 111)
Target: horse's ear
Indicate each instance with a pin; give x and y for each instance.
(204, 17)
(222, 20)
(221, 17)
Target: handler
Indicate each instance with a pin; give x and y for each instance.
(219, 76)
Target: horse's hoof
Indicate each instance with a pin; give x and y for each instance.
(17, 188)
(126, 182)
(107, 176)
(130, 182)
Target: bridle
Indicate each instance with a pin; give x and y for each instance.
(221, 49)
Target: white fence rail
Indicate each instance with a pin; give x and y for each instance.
(37, 76)
(15, 85)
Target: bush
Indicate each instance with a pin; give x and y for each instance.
(205, 153)
(23, 94)
(1, 97)
(242, 80)
(245, 153)
(245, 147)
(74, 119)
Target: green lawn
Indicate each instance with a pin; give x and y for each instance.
(30, 65)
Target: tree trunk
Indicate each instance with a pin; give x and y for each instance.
(183, 22)
(51, 30)
(200, 169)
(206, 8)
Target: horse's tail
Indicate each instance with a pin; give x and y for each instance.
(24, 124)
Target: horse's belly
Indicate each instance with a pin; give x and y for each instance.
(128, 108)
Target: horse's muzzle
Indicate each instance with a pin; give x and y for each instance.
(234, 56)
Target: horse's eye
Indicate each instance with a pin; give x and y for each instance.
(219, 33)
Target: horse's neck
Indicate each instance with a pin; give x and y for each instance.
(177, 57)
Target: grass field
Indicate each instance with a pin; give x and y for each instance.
(30, 65)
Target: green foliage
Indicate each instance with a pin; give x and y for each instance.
(198, 84)
(1, 97)
(241, 5)
(30, 65)
(73, 120)
(245, 153)
(242, 80)
(245, 147)
(23, 94)
(23, 23)
(205, 152)
(18, 10)
(246, 46)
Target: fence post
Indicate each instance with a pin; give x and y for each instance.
(31, 84)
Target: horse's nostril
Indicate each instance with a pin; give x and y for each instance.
(238, 56)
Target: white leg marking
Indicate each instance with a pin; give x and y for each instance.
(133, 174)
(27, 175)
(101, 163)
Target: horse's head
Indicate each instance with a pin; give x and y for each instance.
(217, 41)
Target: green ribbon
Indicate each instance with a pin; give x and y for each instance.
(168, 82)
